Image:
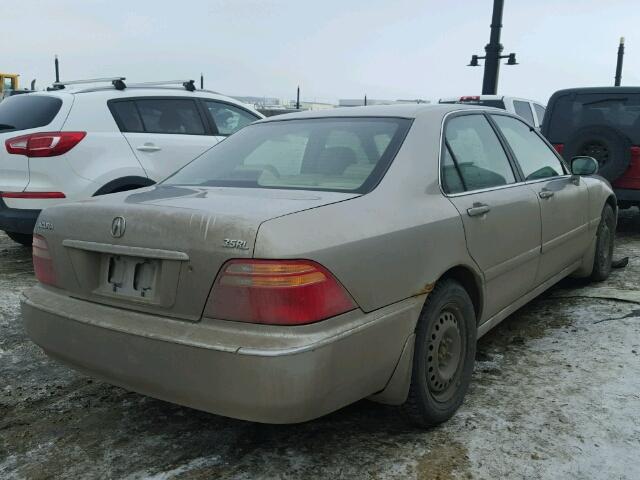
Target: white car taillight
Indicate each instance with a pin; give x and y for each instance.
(44, 144)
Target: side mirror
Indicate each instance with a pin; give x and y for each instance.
(584, 166)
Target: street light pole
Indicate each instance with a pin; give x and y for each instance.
(493, 51)
(619, 64)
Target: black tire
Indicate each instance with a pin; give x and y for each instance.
(447, 326)
(605, 239)
(23, 239)
(608, 146)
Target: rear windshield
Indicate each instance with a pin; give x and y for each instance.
(484, 103)
(571, 112)
(21, 112)
(334, 154)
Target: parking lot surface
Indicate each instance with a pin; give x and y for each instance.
(555, 394)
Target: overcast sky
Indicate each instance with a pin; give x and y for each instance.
(332, 48)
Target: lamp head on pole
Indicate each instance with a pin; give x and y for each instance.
(474, 61)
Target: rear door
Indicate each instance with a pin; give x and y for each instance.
(563, 198)
(500, 214)
(21, 115)
(165, 133)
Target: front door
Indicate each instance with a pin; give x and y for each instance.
(563, 198)
(501, 217)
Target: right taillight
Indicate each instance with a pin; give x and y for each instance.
(559, 147)
(42, 263)
(44, 144)
(276, 292)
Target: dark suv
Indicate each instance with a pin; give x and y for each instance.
(603, 123)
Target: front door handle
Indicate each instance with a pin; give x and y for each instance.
(545, 193)
(148, 147)
(478, 209)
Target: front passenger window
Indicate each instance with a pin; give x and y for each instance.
(535, 157)
(476, 153)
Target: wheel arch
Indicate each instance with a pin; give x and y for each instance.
(124, 183)
(471, 282)
(613, 203)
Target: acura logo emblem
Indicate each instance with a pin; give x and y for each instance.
(118, 226)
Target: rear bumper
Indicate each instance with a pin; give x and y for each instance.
(627, 195)
(17, 220)
(253, 372)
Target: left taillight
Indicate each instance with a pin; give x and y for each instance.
(44, 144)
(42, 263)
(276, 292)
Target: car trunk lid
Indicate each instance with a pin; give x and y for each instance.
(159, 249)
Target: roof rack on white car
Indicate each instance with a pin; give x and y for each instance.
(189, 85)
(117, 82)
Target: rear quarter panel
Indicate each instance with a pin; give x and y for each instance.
(389, 244)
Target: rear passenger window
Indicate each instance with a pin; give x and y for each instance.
(228, 119)
(170, 116)
(477, 153)
(523, 109)
(535, 157)
(451, 181)
(127, 116)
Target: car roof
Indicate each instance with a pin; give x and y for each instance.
(488, 97)
(109, 93)
(597, 90)
(401, 111)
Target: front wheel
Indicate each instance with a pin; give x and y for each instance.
(605, 238)
(23, 239)
(444, 355)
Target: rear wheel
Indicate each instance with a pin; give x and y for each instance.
(605, 238)
(444, 355)
(21, 238)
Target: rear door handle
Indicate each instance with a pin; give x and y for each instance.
(148, 147)
(545, 193)
(478, 209)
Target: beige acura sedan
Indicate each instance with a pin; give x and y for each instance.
(315, 259)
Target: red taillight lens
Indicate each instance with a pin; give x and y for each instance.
(276, 292)
(42, 264)
(44, 144)
(559, 147)
(631, 177)
(39, 195)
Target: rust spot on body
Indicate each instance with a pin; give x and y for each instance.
(428, 288)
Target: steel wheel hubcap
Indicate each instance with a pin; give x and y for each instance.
(443, 353)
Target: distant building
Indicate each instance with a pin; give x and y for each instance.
(359, 102)
(261, 101)
(312, 105)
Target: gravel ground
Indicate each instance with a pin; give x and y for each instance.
(555, 394)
